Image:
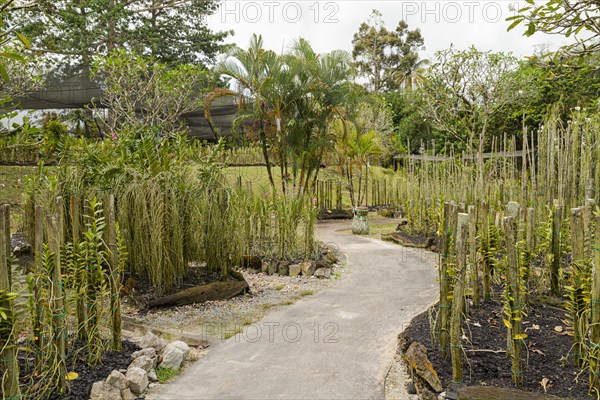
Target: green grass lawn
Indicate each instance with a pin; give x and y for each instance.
(259, 178)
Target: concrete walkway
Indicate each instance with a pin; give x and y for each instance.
(337, 344)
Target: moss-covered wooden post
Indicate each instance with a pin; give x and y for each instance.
(485, 240)
(38, 317)
(529, 242)
(458, 297)
(473, 268)
(595, 325)
(8, 348)
(514, 347)
(75, 213)
(444, 324)
(556, 233)
(115, 273)
(577, 289)
(8, 241)
(58, 310)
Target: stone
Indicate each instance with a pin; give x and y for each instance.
(126, 394)
(410, 387)
(150, 352)
(144, 362)
(151, 340)
(152, 377)
(252, 262)
(104, 391)
(181, 346)
(330, 259)
(284, 268)
(117, 380)
(174, 355)
(273, 267)
(308, 268)
(323, 273)
(416, 357)
(265, 267)
(194, 340)
(138, 379)
(321, 264)
(295, 269)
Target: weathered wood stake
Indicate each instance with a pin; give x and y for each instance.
(458, 297)
(514, 347)
(555, 266)
(474, 272)
(8, 349)
(595, 310)
(58, 310)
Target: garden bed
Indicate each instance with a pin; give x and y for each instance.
(545, 356)
(80, 387)
(220, 319)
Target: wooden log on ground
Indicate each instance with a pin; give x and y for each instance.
(201, 294)
(335, 214)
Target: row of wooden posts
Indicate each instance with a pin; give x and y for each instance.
(460, 272)
(52, 231)
(329, 194)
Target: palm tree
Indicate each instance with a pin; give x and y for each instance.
(325, 79)
(251, 70)
(411, 74)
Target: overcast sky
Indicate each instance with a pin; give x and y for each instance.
(330, 25)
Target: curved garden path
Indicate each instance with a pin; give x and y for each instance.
(384, 287)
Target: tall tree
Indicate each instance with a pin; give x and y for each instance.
(172, 31)
(388, 59)
(465, 89)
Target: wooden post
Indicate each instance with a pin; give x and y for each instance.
(485, 238)
(444, 318)
(555, 266)
(8, 242)
(38, 318)
(577, 285)
(473, 255)
(58, 310)
(458, 297)
(529, 242)
(595, 310)
(75, 213)
(115, 273)
(8, 349)
(60, 216)
(514, 347)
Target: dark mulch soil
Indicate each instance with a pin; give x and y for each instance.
(76, 362)
(80, 388)
(546, 355)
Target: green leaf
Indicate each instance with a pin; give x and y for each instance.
(515, 23)
(3, 73)
(520, 336)
(23, 39)
(14, 56)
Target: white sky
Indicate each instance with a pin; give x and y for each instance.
(330, 25)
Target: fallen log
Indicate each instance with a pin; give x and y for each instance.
(417, 242)
(334, 214)
(200, 294)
